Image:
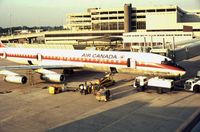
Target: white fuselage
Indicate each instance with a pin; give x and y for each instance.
(122, 62)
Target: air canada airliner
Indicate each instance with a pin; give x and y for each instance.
(41, 60)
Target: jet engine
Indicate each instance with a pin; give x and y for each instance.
(16, 79)
(52, 77)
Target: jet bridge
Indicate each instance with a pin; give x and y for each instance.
(186, 50)
(180, 51)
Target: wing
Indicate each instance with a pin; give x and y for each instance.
(27, 67)
(46, 75)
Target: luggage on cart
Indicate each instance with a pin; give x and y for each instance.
(103, 95)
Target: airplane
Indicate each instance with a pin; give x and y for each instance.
(42, 60)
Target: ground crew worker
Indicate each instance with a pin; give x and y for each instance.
(107, 94)
(81, 86)
(95, 88)
(85, 88)
(89, 88)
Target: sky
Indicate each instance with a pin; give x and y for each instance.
(53, 12)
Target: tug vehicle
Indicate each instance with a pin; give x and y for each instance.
(193, 84)
(143, 83)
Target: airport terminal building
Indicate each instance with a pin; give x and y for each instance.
(96, 23)
(134, 19)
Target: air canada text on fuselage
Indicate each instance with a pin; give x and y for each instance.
(100, 56)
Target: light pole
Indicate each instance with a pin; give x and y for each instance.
(10, 24)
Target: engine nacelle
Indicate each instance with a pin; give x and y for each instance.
(53, 77)
(16, 79)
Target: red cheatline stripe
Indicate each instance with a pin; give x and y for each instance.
(161, 66)
(88, 60)
(92, 60)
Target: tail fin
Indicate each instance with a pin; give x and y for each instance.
(2, 45)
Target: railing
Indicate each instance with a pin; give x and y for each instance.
(29, 35)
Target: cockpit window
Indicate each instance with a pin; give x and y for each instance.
(165, 61)
(169, 62)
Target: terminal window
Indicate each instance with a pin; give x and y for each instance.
(160, 10)
(141, 25)
(140, 16)
(140, 11)
(171, 9)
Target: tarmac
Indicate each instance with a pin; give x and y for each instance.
(31, 108)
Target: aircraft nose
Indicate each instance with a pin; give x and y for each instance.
(182, 71)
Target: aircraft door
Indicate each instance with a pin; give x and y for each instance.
(131, 63)
(3, 55)
(39, 57)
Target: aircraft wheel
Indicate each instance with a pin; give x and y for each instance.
(138, 89)
(196, 89)
(160, 91)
